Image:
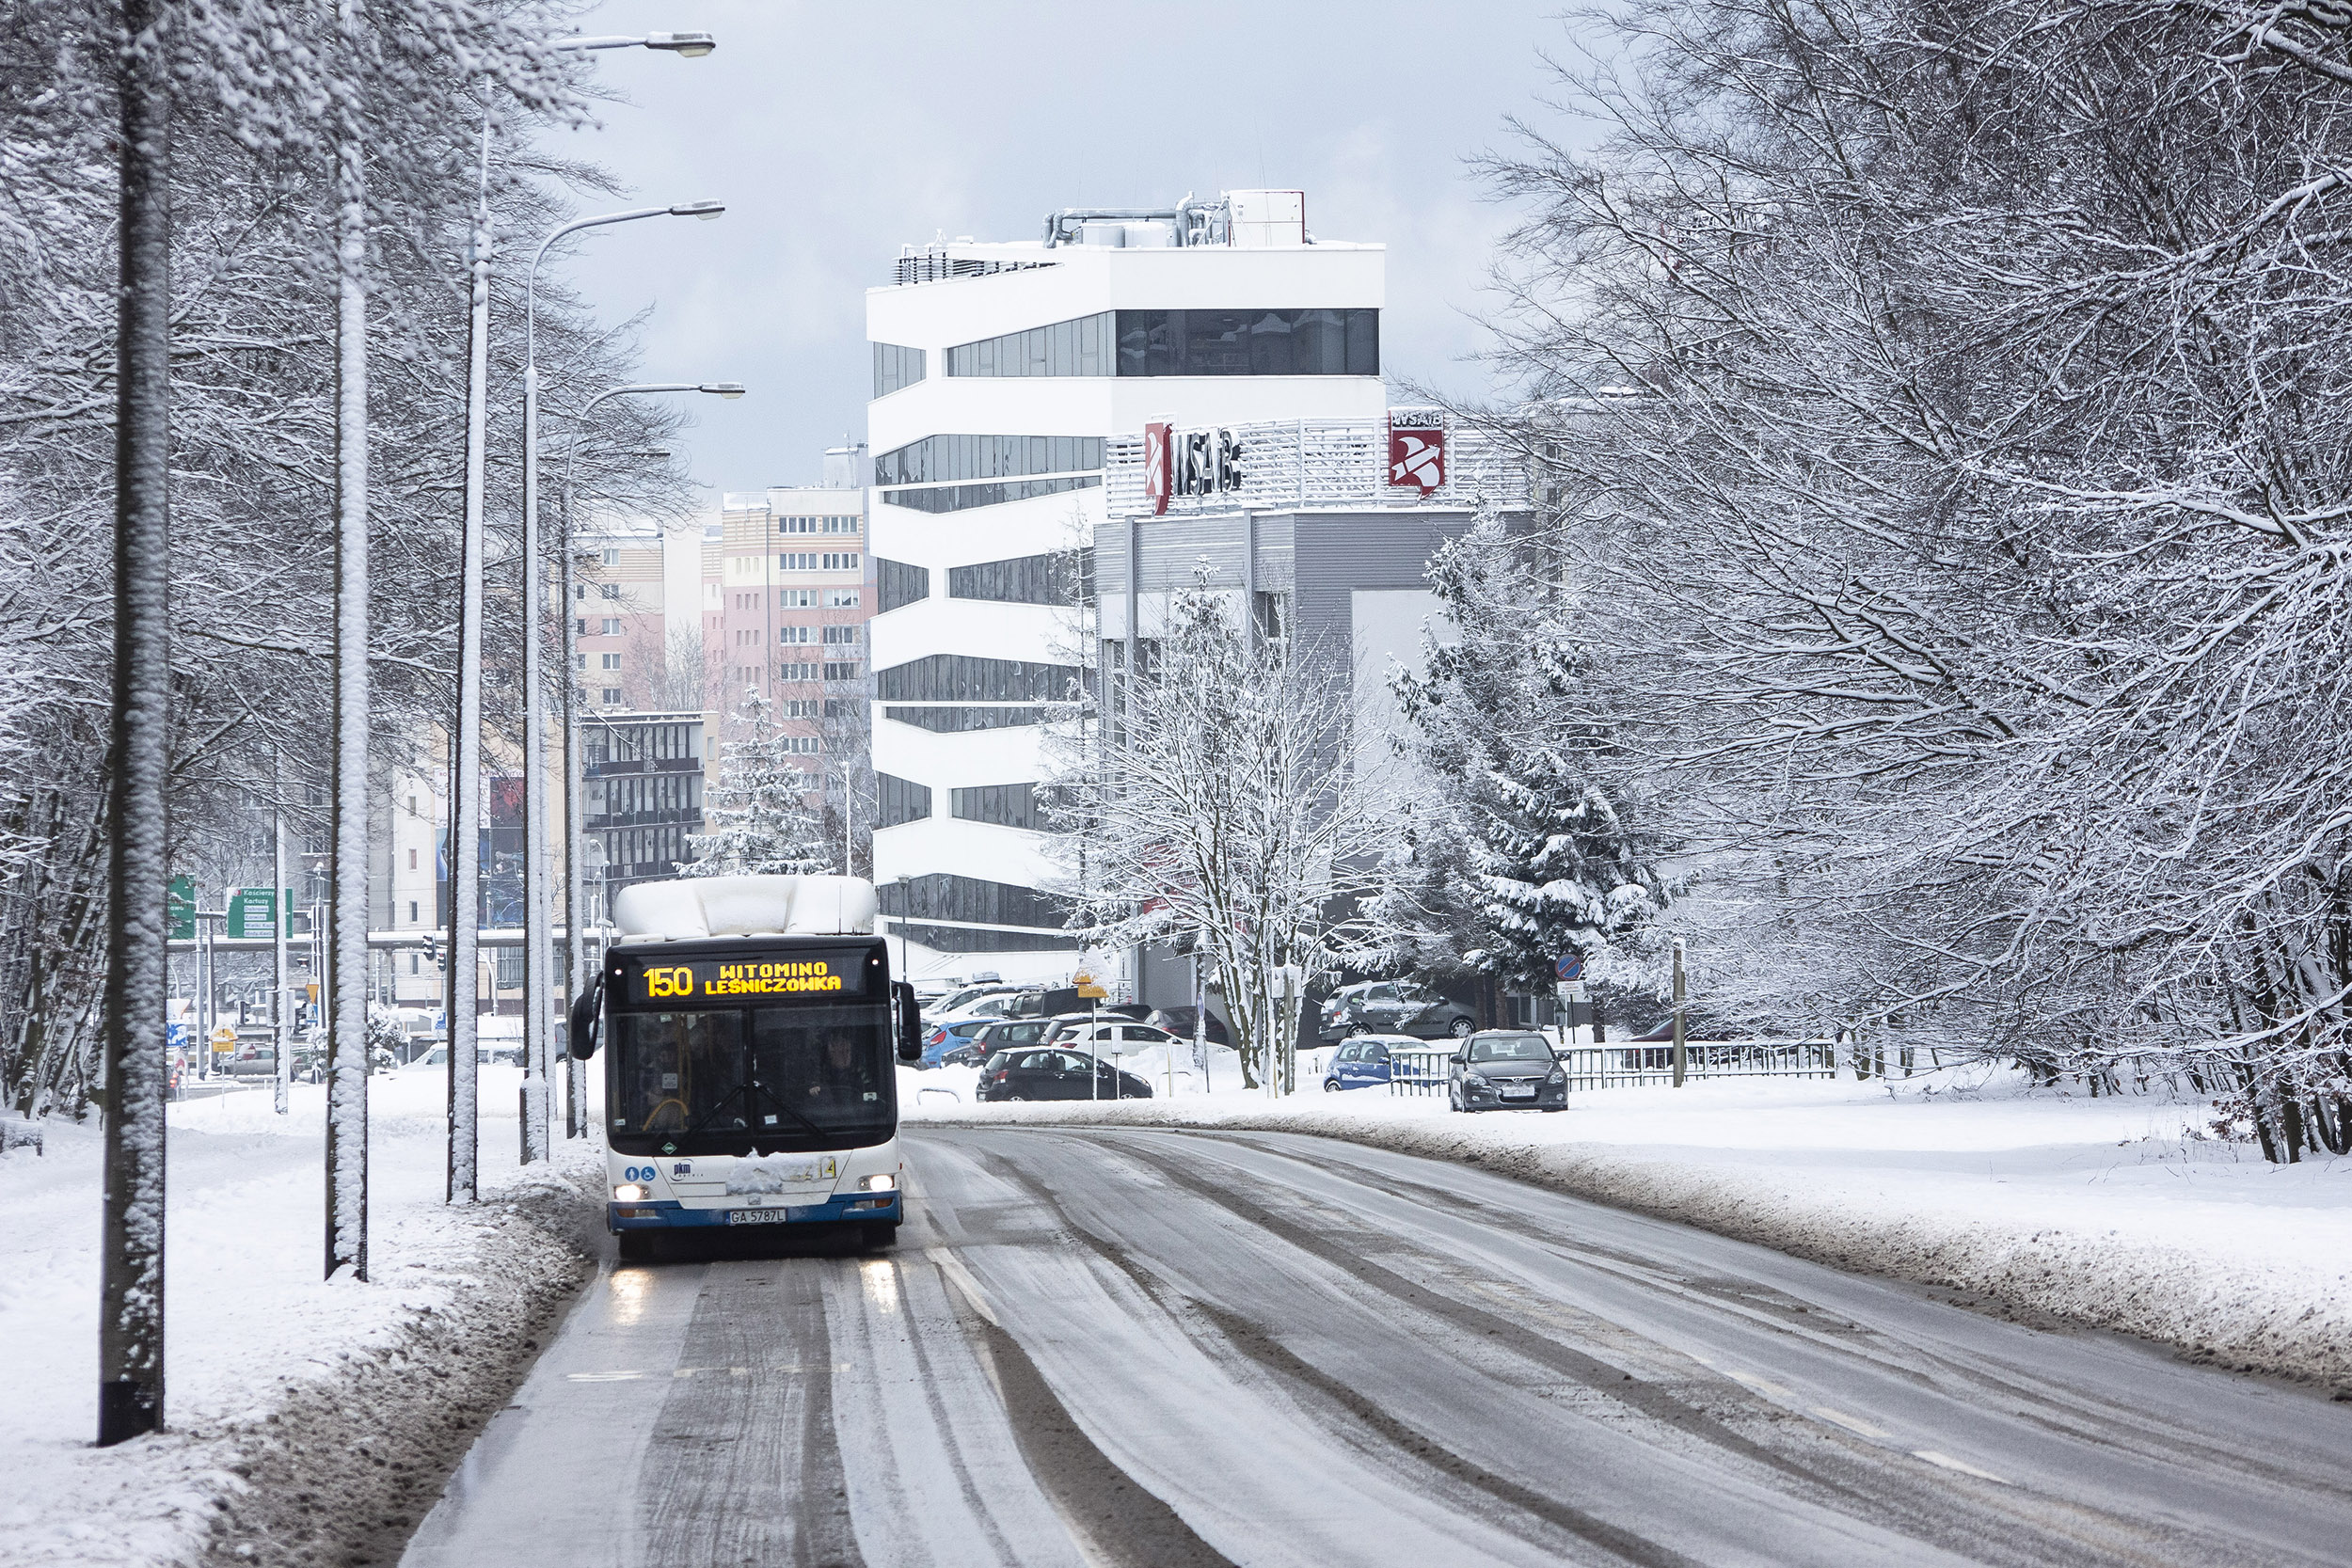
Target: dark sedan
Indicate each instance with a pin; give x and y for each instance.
(1047, 1073)
(1502, 1070)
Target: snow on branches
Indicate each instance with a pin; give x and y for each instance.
(756, 806)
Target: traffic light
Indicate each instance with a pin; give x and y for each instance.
(433, 948)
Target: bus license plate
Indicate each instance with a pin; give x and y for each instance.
(759, 1216)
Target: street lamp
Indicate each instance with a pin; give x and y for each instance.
(688, 46)
(575, 972)
(538, 977)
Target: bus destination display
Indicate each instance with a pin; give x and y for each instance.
(817, 977)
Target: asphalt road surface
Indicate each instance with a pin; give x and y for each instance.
(1165, 1349)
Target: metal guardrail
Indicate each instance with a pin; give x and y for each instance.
(1614, 1067)
(1611, 1067)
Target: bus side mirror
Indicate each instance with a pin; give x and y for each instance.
(579, 1033)
(910, 1022)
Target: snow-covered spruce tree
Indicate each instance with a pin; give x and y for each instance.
(756, 811)
(1523, 847)
(1216, 799)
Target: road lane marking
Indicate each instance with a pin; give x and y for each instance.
(1853, 1423)
(1949, 1463)
(601, 1377)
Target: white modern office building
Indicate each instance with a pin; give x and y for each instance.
(1001, 371)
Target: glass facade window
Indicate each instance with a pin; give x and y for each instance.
(943, 896)
(902, 799)
(936, 458)
(895, 366)
(956, 721)
(960, 497)
(1183, 342)
(1249, 342)
(964, 678)
(1057, 579)
(900, 585)
(1080, 347)
(1009, 806)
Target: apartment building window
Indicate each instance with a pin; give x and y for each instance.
(412, 859)
(796, 672)
(412, 918)
(844, 707)
(796, 634)
(841, 671)
(611, 555)
(841, 599)
(796, 598)
(795, 561)
(831, 523)
(840, 636)
(412, 957)
(608, 662)
(843, 561)
(612, 625)
(579, 661)
(582, 625)
(612, 697)
(895, 366)
(612, 590)
(797, 707)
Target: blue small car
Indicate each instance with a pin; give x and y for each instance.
(941, 1038)
(1368, 1062)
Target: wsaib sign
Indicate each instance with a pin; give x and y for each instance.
(1188, 462)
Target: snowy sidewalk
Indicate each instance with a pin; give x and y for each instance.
(270, 1373)
(2108, 1212)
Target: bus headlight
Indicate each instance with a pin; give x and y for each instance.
(628, 1192)
(882, 1183)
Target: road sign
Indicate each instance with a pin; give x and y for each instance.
(250, 912)
(179, 908)
(1571, 967)
(224, 1038)
(1084, 984)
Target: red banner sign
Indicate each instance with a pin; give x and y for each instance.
(1417, 451)
(1155, 466)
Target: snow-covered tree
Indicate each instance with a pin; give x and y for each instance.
(756, 818)
(1522, 847)
(1216, 801)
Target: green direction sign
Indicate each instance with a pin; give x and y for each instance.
(250, 913)
(179, 908)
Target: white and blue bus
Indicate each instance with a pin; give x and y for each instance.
(750, 1029)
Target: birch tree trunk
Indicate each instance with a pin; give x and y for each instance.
(347, 979)
(131, 1285)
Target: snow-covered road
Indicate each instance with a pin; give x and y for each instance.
(1149, 1347)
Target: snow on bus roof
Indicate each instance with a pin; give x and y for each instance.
(689, 906)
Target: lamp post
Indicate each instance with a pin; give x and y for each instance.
(539, 975)
(465, 783)
(576, 970)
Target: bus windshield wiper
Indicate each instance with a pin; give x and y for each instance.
(725, 1100)
(765, 1094)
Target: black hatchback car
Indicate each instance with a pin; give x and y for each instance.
(1507, 1069)
(1047, 1073)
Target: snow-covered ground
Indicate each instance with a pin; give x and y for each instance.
(2110, 1212)
(263, 1357)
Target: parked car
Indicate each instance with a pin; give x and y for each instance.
(1107, 1033)
(1507, 1069)
(1369, 1061)
(259, 1062)
(989, 1039)
(1393, 1008)
(955, 1002)
(1178, 1022)
(940, 1039)
(1051, 1073)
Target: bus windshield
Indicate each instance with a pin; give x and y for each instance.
(721, 1081)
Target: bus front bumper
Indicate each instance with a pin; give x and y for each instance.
(669, 1215)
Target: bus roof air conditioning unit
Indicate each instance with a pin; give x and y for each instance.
(685, 908)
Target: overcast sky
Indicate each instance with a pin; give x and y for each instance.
(834, 134)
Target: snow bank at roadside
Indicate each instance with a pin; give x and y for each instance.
(307, 1421)
(2109, 1211)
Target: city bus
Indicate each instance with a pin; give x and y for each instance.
(750, 1029)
